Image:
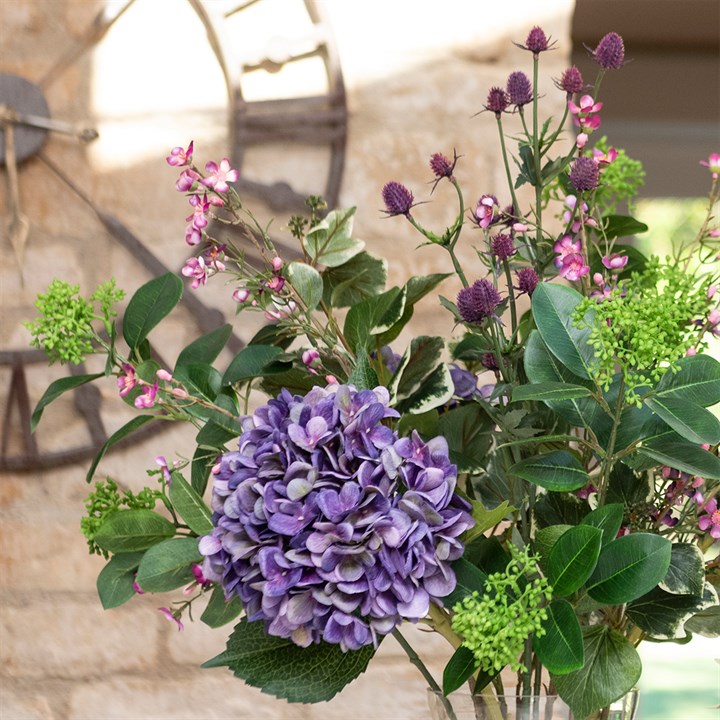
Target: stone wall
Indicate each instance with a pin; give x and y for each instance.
(416, 76)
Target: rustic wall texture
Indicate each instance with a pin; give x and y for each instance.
(416, 75)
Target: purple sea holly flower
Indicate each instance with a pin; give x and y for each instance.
(330, 527)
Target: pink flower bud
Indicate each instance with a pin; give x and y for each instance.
(163, 375)
(711, 291)
(179, 393)
(691, 351)
(519, 227)
(330, 379)
(276, 263)
(581, 140)
(598, 279)
(241, 295)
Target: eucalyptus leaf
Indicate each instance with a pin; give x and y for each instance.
(691, 421)
(685, 457)
(696, 381)
(549, 391)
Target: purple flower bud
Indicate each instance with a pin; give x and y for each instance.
(584, 174)
(610, 52)
(536, 41)
(571, 81)
(489, 361)
(502, 246)
(519, 88)
(497, 101)
(478, 301)
(397, 198)
(527, 280)
(441, 166)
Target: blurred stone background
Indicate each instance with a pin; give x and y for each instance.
(416, 73)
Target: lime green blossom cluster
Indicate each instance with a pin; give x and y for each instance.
(646, 326)
(495, 626)
(621, 180)
(64, 329)
(107, 499)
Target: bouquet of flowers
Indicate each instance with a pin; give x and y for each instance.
(540, 486)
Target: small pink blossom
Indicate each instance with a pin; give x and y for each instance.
(201, 209)
(277, 264)
(172, 617)
(192, 235)
(585, 113)
(220, 175)
(213, 258)
(330, 379)
(573, 267)
(281, 311)
(710, 519)
(147, 399)
(137, 588)
(690, 352)
(581, 140)
(486, 212)
(713, 162)
(564, 247)
(615, 261)
(163, 374)
(240, 295)
(711, 292)
(713, 321)
(714, 233)
(179, 157)
(128, 380)
(162, 462)
(276, 283)
(187, 180)
(604, 159)
(519, 227)
(195, 268)
(179, 393)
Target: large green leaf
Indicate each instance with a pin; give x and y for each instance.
(573, 558)
(607, 518)
(467, 431)
(149, 305)
(132, 530)
(685, 457)
(166, 566)
(307, 282)
(558, 470)
(220, 611)
(486, 519)
(553, 309)
(697, 381)
(686, 574)
(461, 666)
(549, 391)
(691, 421)
(663, 615)
(622, 226)
(57, 388)
(435, 390)
(374, 316)
(126, 430)
(206, 348)
(249, 363)
(422, 356)
(560, 649)
(706, 622)
(469, 578)
(280, 668)
(203, 460)
(189, 505)
(612, 668)
(363, 376)
(626, 488)
(115, 581)
(330, 242)
(629, 567)
(356, 280)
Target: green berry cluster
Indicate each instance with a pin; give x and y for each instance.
(646, 326)
(621, 180)
(64, 329)
(107, 499)
(495, 626)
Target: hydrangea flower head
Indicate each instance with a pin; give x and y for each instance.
(328, 526)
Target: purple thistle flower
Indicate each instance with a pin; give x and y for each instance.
(497, 101)
(536, 41)
(527, 280)
(519, 88)
(328, 527)
(584, 174)
(610, 52)
(489, 361)
(478, 301)
(441, 165)
(571, 81)
(397, 198)
(502, 246)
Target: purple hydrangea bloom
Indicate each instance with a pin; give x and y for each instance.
(329, 527)
(465, 383)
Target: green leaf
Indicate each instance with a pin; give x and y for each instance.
(697, 381)
(691, 421)
(573, 558)
(459, 668)
(685, 457)
(560, 508)
(686, 574)
(189, 505)
(622, 226)
(663, 615)
(127, 429)
(706, 622)
(549, 391)
(363, 376)
(201, 381)
(560, 649)
(361, 277)
(213, 435)
(559, 470)
(436, 390)
(629, 567)
(206, 348)
(55, 390)
(202, 462)
(469, 579)
(545, 539)
(329, 242)
(553, 308)
(281, 668)
(388, 311)
(132, 530)
(612, 668)
(166, 566)
(485, 519)
(421, 357)
(220, 611)
(115, 581)
(149, 305)
(250, 363)
(307, 283)
(627, 488)
(607, 518)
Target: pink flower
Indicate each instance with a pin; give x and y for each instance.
(713, 320)
(573, 267)
(187, 180)
(212, 258)
(581, 140)
(137, 588)
(127, 381)
(220, 175)
(276, 283)
(241, 295)
(713, 163)
(486, 211)
(586, 117)
(163, 374)
(615, 261)
(276, 264)
(202, 207)
(195, 268)
(172, 617)
(564, 247)
(281, 311)
(710, 520)
(603, 159)
(162, 462)
(192, 235)
(147, 399)
(179, 157)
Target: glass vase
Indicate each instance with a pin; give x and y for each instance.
(465, 706)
